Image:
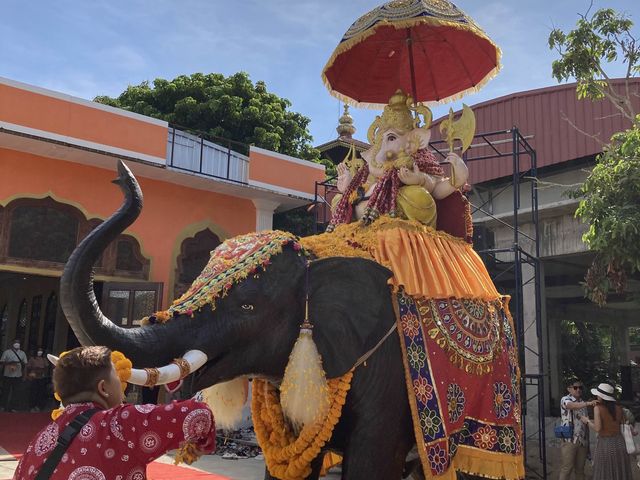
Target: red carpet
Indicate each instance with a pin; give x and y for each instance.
(163, 471)
(17, 430)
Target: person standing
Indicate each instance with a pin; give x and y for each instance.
(610, 459)
(38, 376)
(13, 362)
(574, 450)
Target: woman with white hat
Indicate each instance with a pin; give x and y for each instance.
(610, 459)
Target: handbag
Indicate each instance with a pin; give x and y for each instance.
(628, 438)
(563, 431)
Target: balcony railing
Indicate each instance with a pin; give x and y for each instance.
(197, 154)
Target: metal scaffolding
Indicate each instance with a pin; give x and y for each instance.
(506, 266)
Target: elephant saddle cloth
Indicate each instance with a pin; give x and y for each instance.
(230, 263)
(461, 368)
(458, 342)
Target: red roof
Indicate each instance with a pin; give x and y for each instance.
(539, 114)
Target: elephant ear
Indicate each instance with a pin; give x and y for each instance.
(350, 308)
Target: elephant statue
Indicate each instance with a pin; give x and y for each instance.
(398, 156)
(351, 311)
(252, 327)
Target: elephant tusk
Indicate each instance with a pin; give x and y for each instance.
(179, 368)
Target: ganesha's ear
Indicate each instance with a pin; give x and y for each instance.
(350, 309)
(422, 136)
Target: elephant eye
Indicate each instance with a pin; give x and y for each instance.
(391, 138)
(247, 306)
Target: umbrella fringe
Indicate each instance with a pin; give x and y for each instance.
(348, 44)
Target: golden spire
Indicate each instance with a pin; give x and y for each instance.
(345, 126)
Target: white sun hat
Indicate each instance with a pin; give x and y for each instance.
(604, 391)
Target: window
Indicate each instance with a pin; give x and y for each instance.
(126, 303)
(127, 253)
(194, 256)
(42, 233)
(144, 303)
(118, 306)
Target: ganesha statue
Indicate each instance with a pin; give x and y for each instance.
(399, 176)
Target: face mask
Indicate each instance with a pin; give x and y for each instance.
(39, 354)
(16, 346)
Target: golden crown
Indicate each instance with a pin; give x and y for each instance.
(398, 115)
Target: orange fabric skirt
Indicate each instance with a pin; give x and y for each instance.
(426, 262)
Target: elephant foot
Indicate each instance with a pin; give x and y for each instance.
(413, 470)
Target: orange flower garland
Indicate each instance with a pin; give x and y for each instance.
(123, 368)
(288, 457)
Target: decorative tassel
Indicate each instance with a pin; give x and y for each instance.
(226, 401)
(304, 393)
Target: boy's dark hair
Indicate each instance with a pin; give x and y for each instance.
(80, 370)
(571, 380)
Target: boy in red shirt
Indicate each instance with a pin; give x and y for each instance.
(119, 440)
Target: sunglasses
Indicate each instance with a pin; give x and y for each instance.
(577, 387)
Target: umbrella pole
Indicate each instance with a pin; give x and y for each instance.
(412, 70)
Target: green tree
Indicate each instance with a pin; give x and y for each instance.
(226, 107)
(611, 206)
(610, 197)
(586, 351)
(232, 108)
(597, 41)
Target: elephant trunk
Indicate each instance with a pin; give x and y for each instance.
(144, 346)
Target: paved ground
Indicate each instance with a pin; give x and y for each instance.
(241, 469)
(253, 468)
(244, 469)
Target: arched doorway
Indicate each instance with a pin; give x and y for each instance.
(39, 234)
(194, 255)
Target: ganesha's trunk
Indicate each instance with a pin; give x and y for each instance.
(146, 346)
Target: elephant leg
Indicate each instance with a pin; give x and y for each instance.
(378, 457)
(379, 443)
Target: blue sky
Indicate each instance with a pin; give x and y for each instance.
(88, 48)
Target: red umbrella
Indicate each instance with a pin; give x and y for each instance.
(428, 48)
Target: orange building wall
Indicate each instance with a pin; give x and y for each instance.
(282, 173)
(168, 210)
(50, 114)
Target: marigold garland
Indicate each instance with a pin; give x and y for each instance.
(188, 453)
(123, 368)
(289, 457)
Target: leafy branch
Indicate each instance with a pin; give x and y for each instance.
(610, 197)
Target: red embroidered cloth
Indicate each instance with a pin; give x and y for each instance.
(118, 443)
